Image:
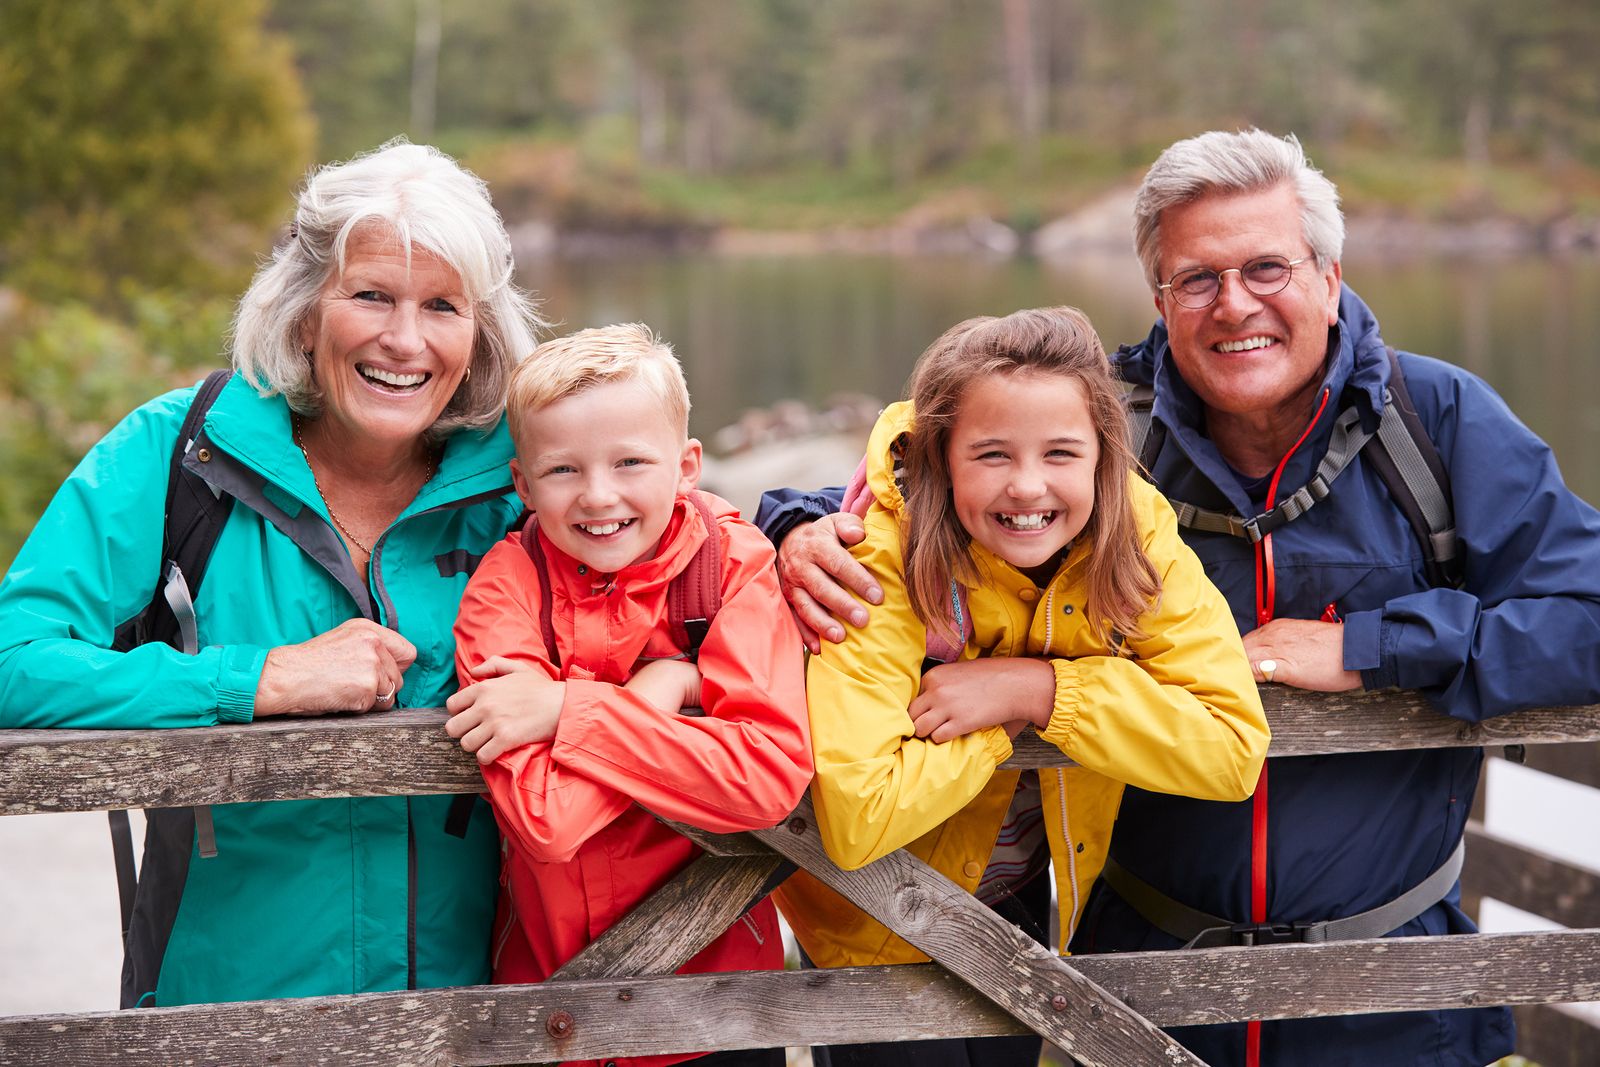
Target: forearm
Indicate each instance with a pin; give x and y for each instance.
(781, 510)
(547, 810)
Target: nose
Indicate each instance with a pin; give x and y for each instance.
(598, 492)
(1026, 483)
(403, 336)
(1235, 302)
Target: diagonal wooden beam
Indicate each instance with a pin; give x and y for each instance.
(947, 923)
(685, 915)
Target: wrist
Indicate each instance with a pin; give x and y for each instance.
(1040, 696)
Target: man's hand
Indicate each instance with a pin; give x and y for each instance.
(1303, 653)
(958, 698)
(669, 684)
(510, 704)
(356, 666)
(818, 574)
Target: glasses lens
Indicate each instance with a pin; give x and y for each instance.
(1195, 288)
(1266, 275)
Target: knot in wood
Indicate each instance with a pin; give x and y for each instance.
(797, 826)
(559, 1024)
(1058, 1002)
(626, 994)
(1096, 1012)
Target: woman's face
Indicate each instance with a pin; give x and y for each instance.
(390, 341)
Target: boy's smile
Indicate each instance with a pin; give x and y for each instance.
(601, 470)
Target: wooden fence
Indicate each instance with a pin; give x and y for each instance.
(619, 997)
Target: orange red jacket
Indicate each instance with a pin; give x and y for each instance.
(582, 844)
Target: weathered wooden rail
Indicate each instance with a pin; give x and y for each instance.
(620, 998)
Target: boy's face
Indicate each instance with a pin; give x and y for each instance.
(601, 469)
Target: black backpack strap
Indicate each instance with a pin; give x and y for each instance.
(696, 593)
(1145, 435)
(193, 520)
(1409, 464)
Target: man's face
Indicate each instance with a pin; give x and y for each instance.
(1247, 355)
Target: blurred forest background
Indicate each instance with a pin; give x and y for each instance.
(149, 148)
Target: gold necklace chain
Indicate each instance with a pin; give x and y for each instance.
(297, 425)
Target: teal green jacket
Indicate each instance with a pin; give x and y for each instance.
(303, 897)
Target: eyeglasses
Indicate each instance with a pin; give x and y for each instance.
(1198, 287)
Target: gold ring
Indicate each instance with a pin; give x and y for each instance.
(1267, 667)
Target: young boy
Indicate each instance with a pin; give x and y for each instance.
(584, 743)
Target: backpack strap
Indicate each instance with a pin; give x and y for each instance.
(1407, 460)
(695, 595)
(530, 544)
(1145, 435)
(192, 521)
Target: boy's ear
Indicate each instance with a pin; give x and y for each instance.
(519, 482)
(689, 466)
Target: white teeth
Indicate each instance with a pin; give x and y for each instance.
(1037, 520)
(390, 378)
(602, 529)
(1245, 345)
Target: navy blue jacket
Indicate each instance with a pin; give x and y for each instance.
(1350, 832)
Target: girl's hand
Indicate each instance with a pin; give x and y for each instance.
(958, 698)
(511, 704)
(669, 684)
(356, 666)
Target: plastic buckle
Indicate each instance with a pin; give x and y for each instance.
(1268, 933)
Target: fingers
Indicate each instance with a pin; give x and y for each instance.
(814, 619)
(848, 528)
(495, 666)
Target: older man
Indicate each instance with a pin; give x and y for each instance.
(1267, 374)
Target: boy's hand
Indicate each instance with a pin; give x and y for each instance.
(958, 698)
(510, 704)
(669, 684)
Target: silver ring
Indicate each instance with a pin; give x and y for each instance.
(387, 698)
(1267, 667)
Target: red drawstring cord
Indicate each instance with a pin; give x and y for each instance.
(1266, 601)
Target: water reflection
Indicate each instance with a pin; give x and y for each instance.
(753, 331)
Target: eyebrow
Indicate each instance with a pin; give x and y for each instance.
(990, 442)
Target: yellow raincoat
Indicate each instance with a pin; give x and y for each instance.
(1178, 713)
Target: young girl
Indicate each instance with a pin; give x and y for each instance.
(1007, 517)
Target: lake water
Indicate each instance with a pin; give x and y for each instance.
(752, 331)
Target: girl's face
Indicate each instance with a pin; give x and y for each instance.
(1022, 454)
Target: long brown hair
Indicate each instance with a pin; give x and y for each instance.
(1122, 582)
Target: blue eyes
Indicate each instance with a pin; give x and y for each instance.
(373, 296)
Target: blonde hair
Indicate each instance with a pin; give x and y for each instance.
(426, 200)
(557, 369)
(1122, 582)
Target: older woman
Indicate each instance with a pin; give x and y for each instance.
(361, 439)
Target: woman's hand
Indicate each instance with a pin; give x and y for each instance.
(511, 704)
(669, 684)
(356, 666)
(818, 574)
(958, 698)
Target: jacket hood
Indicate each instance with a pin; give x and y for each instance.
(884, 448)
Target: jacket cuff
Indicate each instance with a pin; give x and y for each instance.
(778, 520)
(238, 676)
(1369, 648)
(1068, 703)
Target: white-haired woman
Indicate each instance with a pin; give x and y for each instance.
(361, 442)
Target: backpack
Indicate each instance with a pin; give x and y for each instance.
(693, 597)
(194, 517)
(1400, 452)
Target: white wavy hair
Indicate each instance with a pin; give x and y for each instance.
(1246, 161)
(426, 200)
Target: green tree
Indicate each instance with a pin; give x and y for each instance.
(145, 141)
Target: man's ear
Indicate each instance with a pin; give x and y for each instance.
(1335, 276)
(519, 482)
(689, 466)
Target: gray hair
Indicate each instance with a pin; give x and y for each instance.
(1247, 161)
(425, 199)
